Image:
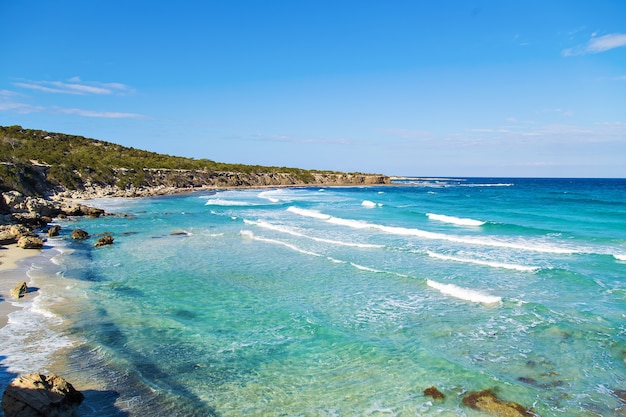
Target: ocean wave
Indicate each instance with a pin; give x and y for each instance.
(223, 202)
(404, 231)
(492, 264)
(370, 204)
(463, 293)
(620, 257)
(376, 271)
(454, 220)
(281, 229)
(249, 234)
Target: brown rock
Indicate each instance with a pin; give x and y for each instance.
(435, 393)
(19, 290)
(488, 402)
(38, 395)
(106, 240)
(54, 230)
(30, 242)
(79, 234)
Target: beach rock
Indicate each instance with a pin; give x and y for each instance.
(487, 401)
(54, 230)
(106, 240)
(7, 237)
(435, 393)
(38, 395)
(19, 290)
(30, 242)
(79, 234)
(20, 230)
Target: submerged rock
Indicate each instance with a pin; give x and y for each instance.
(19, 290)
(488, 402)
(106, 240)
(435, 393)
(38, 395)
(79, 234)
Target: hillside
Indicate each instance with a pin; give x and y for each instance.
(36, 162)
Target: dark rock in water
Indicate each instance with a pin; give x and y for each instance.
(38, 395)
(621, 394)
(488, 402)
(179, 233)
(30, 242)
(79, 234)
(54, 230)
(19, 290)
(435, 393)
(103, 241)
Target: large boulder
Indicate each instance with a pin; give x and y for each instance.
(103, 241)
(79, 234)
(19, 290)
(54, 230)
(30, 242)
(487, 402)
(38, 395)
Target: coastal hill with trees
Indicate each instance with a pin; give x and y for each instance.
(40, 163)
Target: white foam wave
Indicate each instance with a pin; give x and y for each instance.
(481, 262)
(249, 234)
(505, 184)
(454, 220)
(463, 293)
(270, 195)
(222, 202)
(366, 268)
(620, 257)
(404, 231)
(368, 204)
(281, 229)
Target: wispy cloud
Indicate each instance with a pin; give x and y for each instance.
(598, 44)
(99, 114)
(75, 86)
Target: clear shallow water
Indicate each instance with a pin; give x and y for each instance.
(346, 301)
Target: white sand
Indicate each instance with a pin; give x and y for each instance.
(10, 275)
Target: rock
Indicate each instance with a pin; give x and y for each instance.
(79, 234)
(106, 240)
(19, 230)
(38, 395)
(54, 230)
(19, 290)
(488, 402)
(30, 242)
(7, 237)
(435, 393)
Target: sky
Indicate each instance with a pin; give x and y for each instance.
(499, 88)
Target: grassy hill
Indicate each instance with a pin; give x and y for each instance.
(35, 162)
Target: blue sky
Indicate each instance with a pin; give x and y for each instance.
(430, 88)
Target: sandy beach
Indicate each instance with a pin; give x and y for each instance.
(10, 275)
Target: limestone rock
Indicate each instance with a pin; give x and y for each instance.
(7, 237)
(19, 290)
(487, 401)
(106, 240)
(38, 395)
(30, 242)
(79, 234)
(435, 393)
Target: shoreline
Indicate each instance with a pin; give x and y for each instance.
(11, 273)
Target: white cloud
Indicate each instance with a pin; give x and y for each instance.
(75, 86)
(100, 114)
(598, 44)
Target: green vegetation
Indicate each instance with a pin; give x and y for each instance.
(73, 161)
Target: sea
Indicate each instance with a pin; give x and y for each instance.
(337, 301)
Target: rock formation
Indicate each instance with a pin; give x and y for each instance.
(487, 401)
(435, 393)
(30, 242)
(79, 234)
(19, 290)
(38, 395)
(103, 241)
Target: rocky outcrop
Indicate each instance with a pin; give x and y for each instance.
(38, 395)
(79, 234)
(19, 290)
(487, 402)
(435, 393)
(30, 242)
(103, 241)
(53, 230)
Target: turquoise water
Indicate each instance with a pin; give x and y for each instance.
(346, 301)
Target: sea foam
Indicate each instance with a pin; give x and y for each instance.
(249, 234)
(454, 220)
(463, 293)
(492, 264)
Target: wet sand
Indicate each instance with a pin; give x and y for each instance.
(10, 274)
